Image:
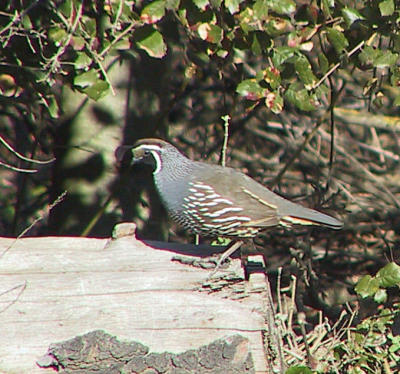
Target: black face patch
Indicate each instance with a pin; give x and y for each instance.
(148, 155)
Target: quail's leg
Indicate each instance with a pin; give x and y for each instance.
(250, 249)
(224, 256)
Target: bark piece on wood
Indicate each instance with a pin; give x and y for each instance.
(99, 352)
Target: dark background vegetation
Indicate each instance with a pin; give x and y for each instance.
(312, 91)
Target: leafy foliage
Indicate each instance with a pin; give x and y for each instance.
(373, 345)
(388, 276)
(69, 40)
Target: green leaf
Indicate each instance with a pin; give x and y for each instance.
(256, 47)
(233, 5)
(201, 4)
(126, 14)
(386, 59)
(282, 6)
(216, 4)
(251, 89)
(150, 40)
(97, 90)
(26, 22)
(386, 7)
(298, 369)
(182, 16)
(351, 15)
(368, 55)
(389, 275)
(272, 76)
(277, 26)
(52, 106)
(90, 25)
(322, 90)
(172, 4)
(222, 53)
(122, 45)
(397, 100)
(380, 296)
(77, 42)
(247, 21)
(90, 84)
(304, 71)
(301, 98)
(377, 57)
(281, 55)
(86, 79)
(337, 39)
(323, 63)
(221, 241)
(394, 339)
(82, 60)
(325, 6)
(57, 35)
(367, 286)
(65, 7)
(274, 101)
(211, 33)
(239, 56)
(395, 77)
(153, 12)
(260, 10)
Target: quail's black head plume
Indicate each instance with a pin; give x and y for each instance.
(212, 200)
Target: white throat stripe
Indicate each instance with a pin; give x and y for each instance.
(157, 157)
(155, 150)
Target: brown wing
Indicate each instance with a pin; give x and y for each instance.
(234, 204)
(263, 207)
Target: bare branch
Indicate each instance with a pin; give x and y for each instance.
(22, 157)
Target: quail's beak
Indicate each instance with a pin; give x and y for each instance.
(121, 153)
(127, 155)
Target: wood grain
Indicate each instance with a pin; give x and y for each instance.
(54, 288)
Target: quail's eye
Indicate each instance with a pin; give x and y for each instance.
(146, 152)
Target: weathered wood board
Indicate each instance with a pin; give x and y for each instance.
(54, 288)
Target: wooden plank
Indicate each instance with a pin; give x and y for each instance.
(54, 288)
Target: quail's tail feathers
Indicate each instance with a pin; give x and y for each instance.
(311, 217)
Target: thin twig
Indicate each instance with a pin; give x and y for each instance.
(22, 157)
(226, 120)
(336, 66)
(14, 168)
(18, 17)
(54, 60)
(97, 216)
(42, 214)
(118, 38)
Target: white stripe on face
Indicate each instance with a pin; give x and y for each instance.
(155, 151)
(157, 157)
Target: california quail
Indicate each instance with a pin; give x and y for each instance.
(212, 200)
